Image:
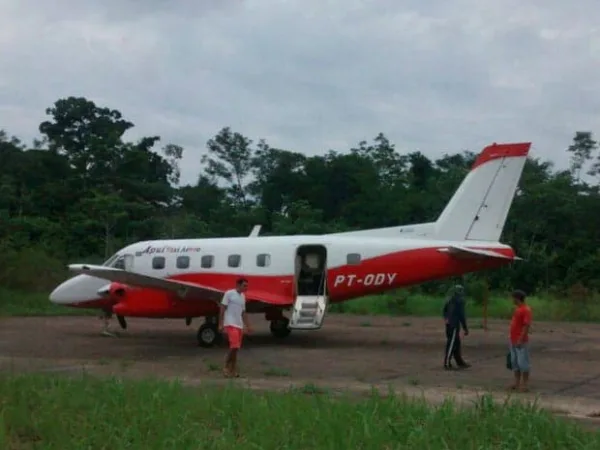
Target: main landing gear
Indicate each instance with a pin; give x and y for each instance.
(208, 333)
(280, 327)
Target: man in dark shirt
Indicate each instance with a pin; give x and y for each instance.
(454, 316)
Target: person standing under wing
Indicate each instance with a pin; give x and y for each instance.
(234, 321)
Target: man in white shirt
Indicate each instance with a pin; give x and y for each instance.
(234, 321)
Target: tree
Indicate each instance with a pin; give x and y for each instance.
(82, 191)
(229, 159)
(582, 151)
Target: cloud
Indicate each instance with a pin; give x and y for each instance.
(311, 75)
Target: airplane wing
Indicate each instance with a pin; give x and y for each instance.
(185, 290)
(470, 253)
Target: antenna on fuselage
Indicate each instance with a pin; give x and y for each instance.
(255, 231)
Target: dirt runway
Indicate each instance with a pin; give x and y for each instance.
(349, 350)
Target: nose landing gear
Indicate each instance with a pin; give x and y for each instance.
(280, 327)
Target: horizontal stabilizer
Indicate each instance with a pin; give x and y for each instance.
(470, 253)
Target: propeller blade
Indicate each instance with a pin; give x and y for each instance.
(104, 290)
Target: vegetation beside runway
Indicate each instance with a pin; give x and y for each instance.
(400, 303)
(546, 307)
(26, 304)
(41, 411)
(68, 198)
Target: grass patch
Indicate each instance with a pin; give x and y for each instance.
(52, 412)
(499, 307)
(402, 303)
(14, 303)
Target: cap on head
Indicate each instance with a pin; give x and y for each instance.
(518, 294)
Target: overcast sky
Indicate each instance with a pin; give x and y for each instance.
(311, 75)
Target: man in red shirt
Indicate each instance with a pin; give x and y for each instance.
(519, 341)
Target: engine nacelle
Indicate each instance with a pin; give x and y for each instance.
(139, 302)
(117, 291)
(113, 291)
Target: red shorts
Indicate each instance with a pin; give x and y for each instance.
(234, 335)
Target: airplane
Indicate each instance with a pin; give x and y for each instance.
(303, 274)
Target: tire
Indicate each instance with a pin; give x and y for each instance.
(208, 335)
(280, 328)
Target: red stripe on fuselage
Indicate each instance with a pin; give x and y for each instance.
(372, 276)
(405, 268)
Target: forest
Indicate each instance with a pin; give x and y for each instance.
(81, 191)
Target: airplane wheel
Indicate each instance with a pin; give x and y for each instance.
(208, 335)
(280, 327)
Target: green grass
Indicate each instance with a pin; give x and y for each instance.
(52, 412)
(403, 303)
(34, 304)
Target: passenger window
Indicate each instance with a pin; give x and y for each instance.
(207, 261)
(158, 262)
(353, 259)
(234, 260)
(119, 263)
(183, 262)
(263, 260)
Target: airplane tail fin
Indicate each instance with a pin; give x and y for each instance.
(479, 207)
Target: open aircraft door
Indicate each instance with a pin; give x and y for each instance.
(310, 279)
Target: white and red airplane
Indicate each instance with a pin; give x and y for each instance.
(186, 278)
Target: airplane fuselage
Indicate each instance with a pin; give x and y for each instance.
(353, 267)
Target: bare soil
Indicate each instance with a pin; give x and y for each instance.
(350, 352)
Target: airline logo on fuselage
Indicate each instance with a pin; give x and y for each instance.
(150, 250)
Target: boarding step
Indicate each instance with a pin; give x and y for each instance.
(309, 312)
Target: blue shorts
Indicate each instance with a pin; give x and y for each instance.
(519, 357)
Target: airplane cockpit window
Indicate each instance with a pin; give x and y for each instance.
(110, 261)
(119, 263)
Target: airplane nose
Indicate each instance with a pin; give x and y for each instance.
(71, 291)
(80, 288)
(58, 295)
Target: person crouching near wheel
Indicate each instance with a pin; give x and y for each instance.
(234, 321)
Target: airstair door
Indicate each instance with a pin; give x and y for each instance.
(310, 278)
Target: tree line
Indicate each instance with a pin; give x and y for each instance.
(82, 191)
